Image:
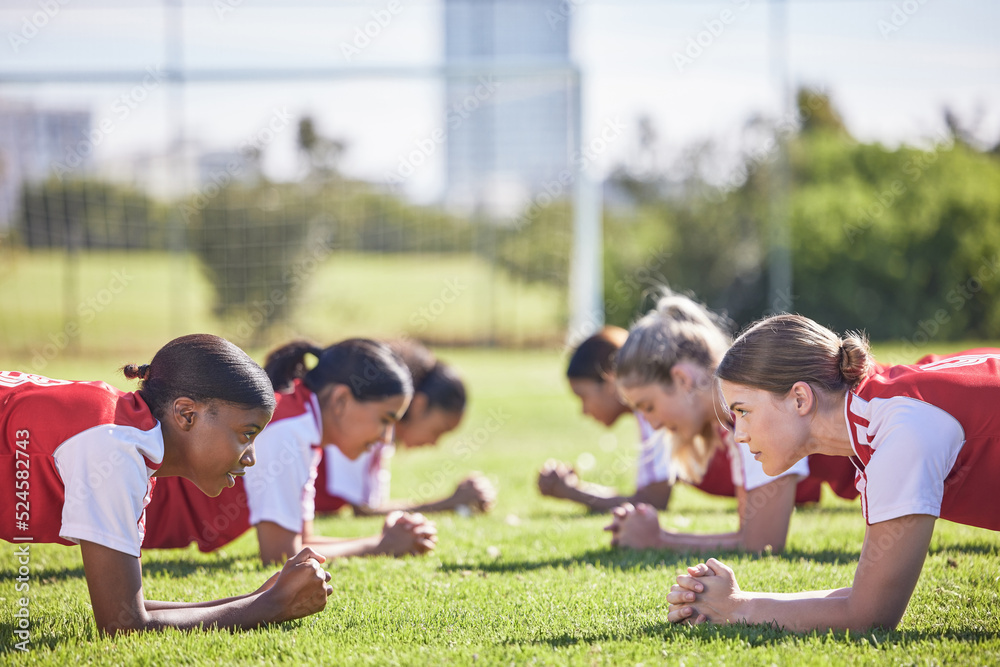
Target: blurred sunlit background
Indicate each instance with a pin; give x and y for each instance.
(492, 172)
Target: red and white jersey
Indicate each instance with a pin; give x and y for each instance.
(280, 486)
(927, 439)
(364, 481)
(656, 463)
(180, 514)
(654, 455)
(77, 462)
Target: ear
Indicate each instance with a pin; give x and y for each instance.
(681, 378)
(338, 397)
(418, 405)
(184, 413)
(803, 398)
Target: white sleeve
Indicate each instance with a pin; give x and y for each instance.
(916, 445)
(654, 461)
(363, 481)
(107, 485)
(751, 471)
(277, 484)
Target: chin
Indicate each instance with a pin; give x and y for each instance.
(211, 492)
(773, 470)
(352, 454)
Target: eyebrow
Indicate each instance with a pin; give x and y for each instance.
(732, 406)
(252, 425)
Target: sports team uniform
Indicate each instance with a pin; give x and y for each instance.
(77, 461)
(278, 487)
(734, 465)
(655, 463)
(180, 513)
(926, 439)
(364, 482)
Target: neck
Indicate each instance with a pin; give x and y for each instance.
(829, 434)
(173, 455)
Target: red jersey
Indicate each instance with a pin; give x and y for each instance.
(927, 439)
(180, 514)
(78, 459)
(278, 487)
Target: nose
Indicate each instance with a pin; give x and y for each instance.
(388, 433)
(249, 457)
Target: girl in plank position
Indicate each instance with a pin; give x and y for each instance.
(665, 372)
(925, 439)
(591, 377)
(352, 397)
(438, 405)
(83, 459)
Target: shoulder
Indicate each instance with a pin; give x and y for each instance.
(293, 404)
(34, 400)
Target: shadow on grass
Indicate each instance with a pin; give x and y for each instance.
(621, 559)
(180, 566)
(8, 641)
(762, 635)
(983, 549)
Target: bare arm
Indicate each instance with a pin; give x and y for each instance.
(656, 495)
(765, 513)
(402, 534)
(276, 542)
(115, 583)
(891, 559)
(474, 492)
(557, 480)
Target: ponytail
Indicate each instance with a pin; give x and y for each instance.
(678, 329)
(201, 367)
(367, 367)
(779, 351)
(288, 363)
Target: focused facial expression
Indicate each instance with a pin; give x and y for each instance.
(224, 434)
(664, 407)
(356, 426)
(768, 424)
(599, 399)
(426, 428)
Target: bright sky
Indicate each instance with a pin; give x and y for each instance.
(890, 85)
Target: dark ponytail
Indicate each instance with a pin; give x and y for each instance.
(201, 367)
(287, 364)
(367, 367)
(437, 381)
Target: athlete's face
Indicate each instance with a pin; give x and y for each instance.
(355, 426)
(665, 407)
(425, 426)
(223, 435)
(773, 427)
(599, 399)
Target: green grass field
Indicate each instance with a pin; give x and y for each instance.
(535, 581)
(52, 306)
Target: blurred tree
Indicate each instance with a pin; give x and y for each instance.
(321, 154)
(88, 215)
(902, 242)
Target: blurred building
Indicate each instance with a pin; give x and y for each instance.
(38, 143)
(510, 133)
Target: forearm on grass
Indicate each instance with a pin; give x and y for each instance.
(442, 505)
